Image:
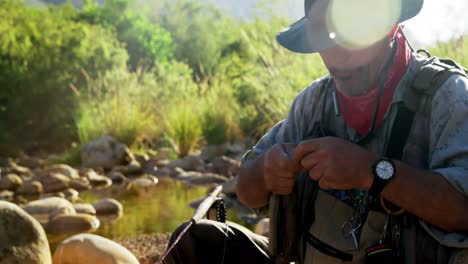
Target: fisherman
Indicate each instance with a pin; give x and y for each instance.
(371, 163)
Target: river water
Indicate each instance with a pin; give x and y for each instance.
(159, 209)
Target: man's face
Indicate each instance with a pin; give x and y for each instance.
(355, 71)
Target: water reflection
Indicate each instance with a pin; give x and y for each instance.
(159, 209)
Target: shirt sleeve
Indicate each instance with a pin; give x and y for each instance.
(449, 145)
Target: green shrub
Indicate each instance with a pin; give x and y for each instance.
(200, 31)
(114, 104)
(184, 127)
(221, 121)
(40, 56)
(147, 43)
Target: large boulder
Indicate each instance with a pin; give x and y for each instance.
(105, 152)
(45, 209)
(88, 248)
(22, 238)
(10, 182)
(72, 224)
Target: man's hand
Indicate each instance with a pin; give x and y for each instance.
(279, 169)
(336, 163)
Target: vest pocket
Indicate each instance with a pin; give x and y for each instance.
(326, 242)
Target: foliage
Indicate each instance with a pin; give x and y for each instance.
(40, 56)
(221, 122)
(111, 104)
(158, 72)
(184, 127)
(146, 43)
(200, 32)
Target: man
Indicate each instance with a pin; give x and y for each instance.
(384, 195)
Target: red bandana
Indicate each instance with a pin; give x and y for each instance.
(357, 111)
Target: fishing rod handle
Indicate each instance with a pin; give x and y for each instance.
(206, 204)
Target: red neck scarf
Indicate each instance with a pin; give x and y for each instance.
(357, 111)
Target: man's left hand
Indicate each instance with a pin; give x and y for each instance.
(336, 163)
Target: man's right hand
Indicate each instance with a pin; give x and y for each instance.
(279, 169)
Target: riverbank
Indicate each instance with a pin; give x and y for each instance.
(147, 248)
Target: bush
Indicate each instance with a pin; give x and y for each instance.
(184, 127)
(200, 31)
(40, 56)
(147, 43)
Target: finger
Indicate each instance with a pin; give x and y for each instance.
(324, 185)
(312, 159)
(306, 147)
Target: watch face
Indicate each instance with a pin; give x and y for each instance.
(384, 170)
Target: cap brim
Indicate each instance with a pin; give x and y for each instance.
(306, 37)
(302, 37)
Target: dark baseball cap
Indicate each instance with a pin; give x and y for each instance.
(330, 22)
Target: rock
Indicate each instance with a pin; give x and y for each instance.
(105, 152)
(263, 227)
(197, 178)
(72, 224)
(117, 177)
(225, 166)
(54, 182)
(230, 186)
(134, 168)
(212, 151)
(30, 187)
(23, 239)
(97, 180)
(108, 206)
(6, 195)
(145, 181)
(143, 184)
(81, 184)
(236, 148)
(141, 158)
(10, 182)
(84, 209)
(165, 172)
(88, 248)
(56, 194)
(45, 209)
(71, 195)
(19, 170)
(64, 170)
(189, 163)
(30, 162)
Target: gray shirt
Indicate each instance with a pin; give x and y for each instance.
(438, 141)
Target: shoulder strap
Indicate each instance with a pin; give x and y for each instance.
(432, 75)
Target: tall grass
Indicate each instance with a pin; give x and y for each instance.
(184, 127)
(113, 105)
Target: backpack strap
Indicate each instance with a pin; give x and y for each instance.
(432, 75)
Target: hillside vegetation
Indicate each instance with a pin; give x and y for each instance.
(180, 73)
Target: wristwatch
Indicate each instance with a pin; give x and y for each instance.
(383, 170)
